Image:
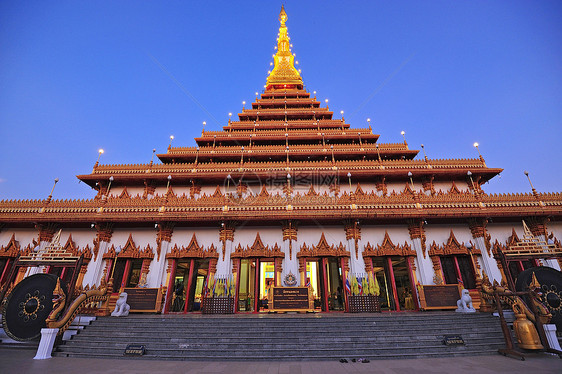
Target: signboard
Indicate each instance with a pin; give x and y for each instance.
(144, 299)
(452, 340)
(440, 296)
(291, 299)
(135, 350)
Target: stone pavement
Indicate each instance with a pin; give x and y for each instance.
(21, 362)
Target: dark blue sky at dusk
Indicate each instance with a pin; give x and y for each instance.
(77, 76)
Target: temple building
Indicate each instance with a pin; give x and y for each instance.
(287, 194)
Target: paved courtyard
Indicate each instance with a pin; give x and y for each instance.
(21, 362)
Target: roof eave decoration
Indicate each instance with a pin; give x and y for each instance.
(284, 74)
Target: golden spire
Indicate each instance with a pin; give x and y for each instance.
(284, 74)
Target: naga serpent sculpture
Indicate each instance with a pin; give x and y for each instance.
(515, 301)
(59, 302)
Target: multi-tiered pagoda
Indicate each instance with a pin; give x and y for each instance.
(287, 195)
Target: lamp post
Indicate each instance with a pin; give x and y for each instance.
(109, 185)
(171, 138)
(478, 150)
(349, 179)
(535, 193)
(52, 190)
(424, 155)
(411, 181)
(100, 152)
(168, 185)
(469, 173)
(327, 107)
(243, 103)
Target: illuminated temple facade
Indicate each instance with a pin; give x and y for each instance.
(286, 195)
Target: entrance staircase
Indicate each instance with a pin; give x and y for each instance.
(288, 337)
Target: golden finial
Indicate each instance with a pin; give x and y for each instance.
(284, 74)
(282, 16)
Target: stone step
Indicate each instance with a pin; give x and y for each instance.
(274, 337)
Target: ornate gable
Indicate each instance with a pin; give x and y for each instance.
(70, 247)
(452, 247)
(513, 238)
(125, 194)
(258, 249)
(193, 250)
(387, 248)
(12, 249)
(323, 249)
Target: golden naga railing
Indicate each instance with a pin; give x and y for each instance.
(65, 318)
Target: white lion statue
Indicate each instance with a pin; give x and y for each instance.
(464, 305)
(121, 307)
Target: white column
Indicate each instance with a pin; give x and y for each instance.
(290, 265)
(224, 267)
(424, 266)
(357, 264)
(489, 264)
(95, 268)
(46, 344)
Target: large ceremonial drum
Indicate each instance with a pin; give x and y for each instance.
(28, 306)
(551, 288)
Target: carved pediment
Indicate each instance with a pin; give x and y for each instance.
(12, 249)
(323, 249)
(193, 250)
(388, 248)
(451, 247)
(258, 249)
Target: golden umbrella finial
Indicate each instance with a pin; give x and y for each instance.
(283, 16)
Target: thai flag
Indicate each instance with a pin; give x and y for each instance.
(307, 282)
(347, 286)
(359, 281)
(459, 281)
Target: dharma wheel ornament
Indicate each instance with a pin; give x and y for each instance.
(28, 306)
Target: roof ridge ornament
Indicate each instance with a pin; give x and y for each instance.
(284, 74)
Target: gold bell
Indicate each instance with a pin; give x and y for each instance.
(526, 333)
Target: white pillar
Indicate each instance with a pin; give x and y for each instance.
(157, 269)
(224, 267)
(290, 265)
(489, 264)
(424, 264)
(46, 344)
(357, 264)
(95, 268)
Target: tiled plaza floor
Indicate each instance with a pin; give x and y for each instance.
(21, 362)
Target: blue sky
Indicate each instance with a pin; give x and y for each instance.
(77, 76)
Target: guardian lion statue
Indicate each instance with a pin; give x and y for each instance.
(464, 305)
(121, 307)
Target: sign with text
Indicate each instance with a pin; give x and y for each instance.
(135, 350)
(144, 299)
(286, 299)
(443, 296)
(453, 340)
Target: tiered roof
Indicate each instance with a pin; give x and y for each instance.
(287, 131)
